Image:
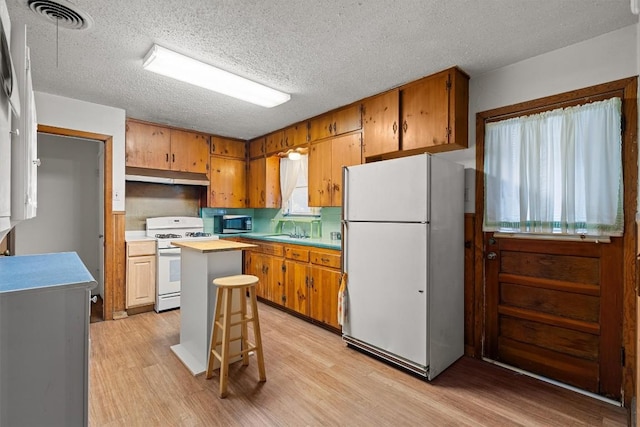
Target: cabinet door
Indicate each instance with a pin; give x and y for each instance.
(189, 151)
(345, 151)
(425, 112)
(228, 147)
(274, 279)
(323, 295)
(296, 135)
(320, 174)
(228, 183)
(141, 280)
(296, 285)
(274, 142)
(347, 120)
(263, 183)
(147, 146)
(321, 127)
(256, 147)
(380, 116)
(254, 266)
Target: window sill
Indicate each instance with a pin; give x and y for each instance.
(556, 237)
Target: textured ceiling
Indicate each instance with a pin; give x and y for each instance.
(324, 53)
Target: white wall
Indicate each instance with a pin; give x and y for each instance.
(609, 57)
(68, 193)
(68, 113)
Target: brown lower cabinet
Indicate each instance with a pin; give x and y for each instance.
(302, 279)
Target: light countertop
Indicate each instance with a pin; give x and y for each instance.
(207, 246)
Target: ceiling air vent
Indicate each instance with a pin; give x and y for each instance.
(62, 13)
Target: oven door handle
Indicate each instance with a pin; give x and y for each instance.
(169, 252)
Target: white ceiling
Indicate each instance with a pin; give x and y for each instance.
(324, 53)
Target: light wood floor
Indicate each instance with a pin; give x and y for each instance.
(312, 379)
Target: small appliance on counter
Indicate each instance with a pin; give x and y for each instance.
(229, 224)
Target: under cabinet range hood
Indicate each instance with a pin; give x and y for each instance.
(157, 176)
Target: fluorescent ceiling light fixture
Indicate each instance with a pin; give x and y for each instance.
(171, 64)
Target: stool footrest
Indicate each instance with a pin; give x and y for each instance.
(231, 356)
(239, 322)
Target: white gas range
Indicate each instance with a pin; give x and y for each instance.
(166, 230)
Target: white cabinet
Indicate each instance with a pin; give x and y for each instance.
(24, 139)
(5, 127)
(44, 340)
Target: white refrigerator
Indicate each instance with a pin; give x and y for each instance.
(403, 252)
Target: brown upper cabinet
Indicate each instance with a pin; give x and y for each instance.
(157, 147)
(335, 123)
(296, 135)
(435, 112)
(228, 175)
(274, 142)
(228, 147)
(263, 183)
(380, 116)
(257, 147)
(430, 114)
(326, 159)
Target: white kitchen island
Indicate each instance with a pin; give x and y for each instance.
(201, 262)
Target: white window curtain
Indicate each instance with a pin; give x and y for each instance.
(556, 172)
(289, 170)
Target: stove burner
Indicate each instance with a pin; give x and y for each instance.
(197, 234)
(168, 236)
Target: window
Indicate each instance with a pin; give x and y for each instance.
(557, 172)
(294, 187)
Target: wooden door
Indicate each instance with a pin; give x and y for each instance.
(255, 183)
(323, 295)
(254, 265)
(141, 280)
(273, 278)
(345, 151)
(256, 147)
(296, 135)
(321, 127)
(380, 127)
(274, 142)
(347, 119)
(425, 112)
(189, 152)
(147, 146)
(228, 183)
(554, 308)
(228, 147)
(296, 283)
(319, 174)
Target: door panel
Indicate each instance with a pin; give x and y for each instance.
(554, 308)
(387, 288)
(391, 190)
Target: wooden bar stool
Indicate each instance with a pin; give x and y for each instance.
(222, 321)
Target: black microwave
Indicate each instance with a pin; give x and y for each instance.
(228, 224)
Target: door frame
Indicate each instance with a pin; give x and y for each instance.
(627, 90)
(109, 222)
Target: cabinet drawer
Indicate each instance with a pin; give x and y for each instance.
(272, 249)
(326, 259)
(142, 247)
(297, 254)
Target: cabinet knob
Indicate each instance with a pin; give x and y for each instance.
(405, 126)
(395, 127)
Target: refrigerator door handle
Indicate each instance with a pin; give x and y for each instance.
(345, 232)
(345, 189)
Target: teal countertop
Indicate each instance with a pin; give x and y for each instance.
(322, 242)
(29, 272)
